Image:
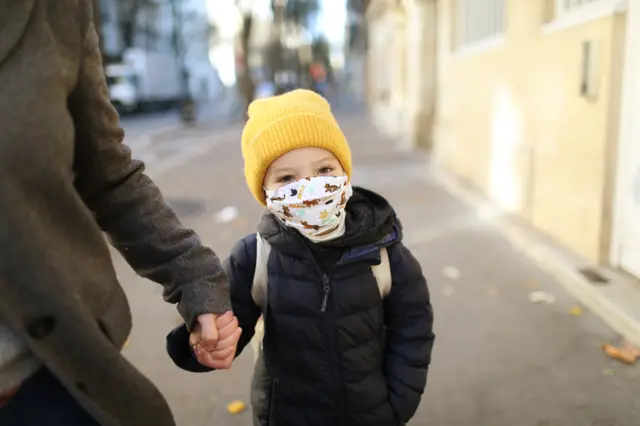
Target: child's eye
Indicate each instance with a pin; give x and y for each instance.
(284, 179)
(325, 170)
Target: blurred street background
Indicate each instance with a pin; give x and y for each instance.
(505, 134)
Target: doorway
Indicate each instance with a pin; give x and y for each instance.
(625, 248)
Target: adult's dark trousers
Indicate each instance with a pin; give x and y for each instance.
(43, 401)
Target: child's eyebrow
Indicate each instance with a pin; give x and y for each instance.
(327, 159)
(284, 169)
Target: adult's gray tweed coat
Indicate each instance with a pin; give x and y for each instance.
(64, 178)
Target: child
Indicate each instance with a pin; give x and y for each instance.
(347, 316)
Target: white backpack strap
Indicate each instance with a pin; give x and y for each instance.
(261, 276)
(382, 273)
(259, 291)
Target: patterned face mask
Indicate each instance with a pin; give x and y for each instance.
(314, 206)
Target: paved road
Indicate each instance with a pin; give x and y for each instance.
(138, 126)
(499, 359)
(141, 129)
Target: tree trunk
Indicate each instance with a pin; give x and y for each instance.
(179, 47)
(245, 81)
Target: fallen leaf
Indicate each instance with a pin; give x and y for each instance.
(632, 348)
(451, 273)
(235, 407)
(540, 296)
(607, 372)
(627, 353)
(576, 311)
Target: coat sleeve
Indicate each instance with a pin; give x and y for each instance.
(128, 206)
(240, 267)
(409, 326)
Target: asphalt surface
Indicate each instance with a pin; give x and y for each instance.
(499, 359)
(138, 126)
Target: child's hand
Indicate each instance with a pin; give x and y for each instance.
(220, 355)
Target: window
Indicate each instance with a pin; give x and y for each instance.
(562, 14)
(479, 20)
(565, 6)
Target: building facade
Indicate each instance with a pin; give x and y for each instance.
(356, 42)
(531, 102)
(401, 76)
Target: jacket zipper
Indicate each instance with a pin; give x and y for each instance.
(327, 289)
(337, 379)
(331, 331)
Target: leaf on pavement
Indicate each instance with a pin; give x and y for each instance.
(626, 353)
(576, 311)
(235, 407)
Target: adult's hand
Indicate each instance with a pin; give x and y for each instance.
(214, 340)
(205, 332)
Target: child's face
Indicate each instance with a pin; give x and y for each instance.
(299, 164)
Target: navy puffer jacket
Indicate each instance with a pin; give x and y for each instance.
(362, 361)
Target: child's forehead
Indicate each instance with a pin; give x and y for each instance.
(303, 156)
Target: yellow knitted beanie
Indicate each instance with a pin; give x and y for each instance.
(280, 124)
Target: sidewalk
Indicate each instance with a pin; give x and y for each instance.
(499, 359)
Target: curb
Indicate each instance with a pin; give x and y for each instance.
(613, 304)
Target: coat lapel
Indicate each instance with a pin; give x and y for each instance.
(14, 16)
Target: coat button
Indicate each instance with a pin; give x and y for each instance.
(41, 327)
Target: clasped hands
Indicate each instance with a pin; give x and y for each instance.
(214, 339)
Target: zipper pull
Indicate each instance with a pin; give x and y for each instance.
(327, 290)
